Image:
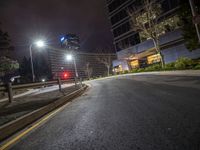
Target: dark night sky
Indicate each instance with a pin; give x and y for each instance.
(26, 20)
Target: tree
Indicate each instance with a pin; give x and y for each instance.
(25, 70)
(7, 65)
(187, 26)
(146, 21)
(41, 67)
(88, 70)
(105, 58)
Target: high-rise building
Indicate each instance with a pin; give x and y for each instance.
(129, 44)
(70, 42)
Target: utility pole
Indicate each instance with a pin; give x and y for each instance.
(194, 14)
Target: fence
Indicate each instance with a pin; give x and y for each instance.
(9, 87)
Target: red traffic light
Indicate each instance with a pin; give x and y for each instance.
(65, 75)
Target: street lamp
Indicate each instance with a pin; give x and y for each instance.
(39, 44)
(70, 57)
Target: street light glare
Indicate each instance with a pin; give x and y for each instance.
(69, 57)
(40, 43)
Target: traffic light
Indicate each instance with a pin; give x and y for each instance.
(65, 75)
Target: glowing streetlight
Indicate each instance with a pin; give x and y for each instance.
(70, 57)
(39, 44)
(43, 80)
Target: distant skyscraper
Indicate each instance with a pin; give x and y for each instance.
(70, 42)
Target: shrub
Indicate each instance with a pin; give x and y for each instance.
(169, 66)
(155, 67)
(126, 71)
(140, 70)
(134, 70)
(197, 66)
(184, 63)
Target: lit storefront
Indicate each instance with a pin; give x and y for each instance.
(134, 64)
(118, 69)
(152, 59)
(120, 66)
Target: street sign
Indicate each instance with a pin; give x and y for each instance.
(196, 19)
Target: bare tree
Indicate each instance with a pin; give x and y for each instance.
(146, 22)
(105, 58)
(88, 70)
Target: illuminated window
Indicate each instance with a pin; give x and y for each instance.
(118, 68)
(153, 59)
(134, 64)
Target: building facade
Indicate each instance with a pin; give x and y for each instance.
(132, 49)
(88, 65)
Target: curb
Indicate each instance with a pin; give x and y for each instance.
(194, 73)
(14, 126)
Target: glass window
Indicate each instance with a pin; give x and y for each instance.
(122, 29)
(173, 3)
(115, 4)
(119, 16)
(165, 6)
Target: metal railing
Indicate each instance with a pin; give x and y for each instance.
(9, 87)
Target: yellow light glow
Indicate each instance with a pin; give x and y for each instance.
(153, 59)
(134, 64)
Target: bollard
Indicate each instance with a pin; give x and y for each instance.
(81, 82)
(10, 93)
(75, 79)
(59, 84)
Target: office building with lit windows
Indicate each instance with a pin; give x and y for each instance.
(85, 62)
(134, 51)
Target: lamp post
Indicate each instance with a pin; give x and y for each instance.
(40, 44)
(70, 57)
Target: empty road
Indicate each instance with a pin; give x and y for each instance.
(145, 112)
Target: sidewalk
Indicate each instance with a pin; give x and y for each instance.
(27, 103)
(37, 91)
(174, 73)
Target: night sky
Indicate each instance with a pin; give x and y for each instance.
(27, 20)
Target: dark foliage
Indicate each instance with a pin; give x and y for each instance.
(188, 28)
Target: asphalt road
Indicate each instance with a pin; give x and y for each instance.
(146, 112)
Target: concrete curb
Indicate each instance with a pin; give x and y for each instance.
(12, 127)
(194, 73)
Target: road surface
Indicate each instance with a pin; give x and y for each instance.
(147, 112)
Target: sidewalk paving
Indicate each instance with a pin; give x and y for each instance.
(27, 103)
(37, 91)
